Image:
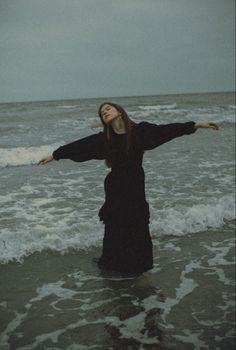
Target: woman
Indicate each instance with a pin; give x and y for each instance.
(127, 245)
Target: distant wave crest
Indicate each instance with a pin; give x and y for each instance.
(158, 107)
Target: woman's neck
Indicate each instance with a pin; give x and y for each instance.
(118, 126)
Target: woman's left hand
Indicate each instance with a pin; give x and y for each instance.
(209, 125)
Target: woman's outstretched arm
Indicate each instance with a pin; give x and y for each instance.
(87, 148)
(208, 125)
(45, 160)
(153, 135)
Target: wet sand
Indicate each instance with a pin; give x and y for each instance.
(55, 301)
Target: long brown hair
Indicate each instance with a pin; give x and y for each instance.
(108, 130)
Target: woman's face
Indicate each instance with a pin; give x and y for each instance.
(109, 113)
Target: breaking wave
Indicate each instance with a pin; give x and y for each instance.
(68, 229)
(198, 218)
(24, 155)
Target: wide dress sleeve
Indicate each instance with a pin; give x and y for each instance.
(153, 135)
(87, 148)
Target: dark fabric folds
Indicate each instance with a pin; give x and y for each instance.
(127, 249)
(125, 202)
(127, 245)
(152, 135)
(87, 148)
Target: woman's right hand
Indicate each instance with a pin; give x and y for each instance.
(45, 160)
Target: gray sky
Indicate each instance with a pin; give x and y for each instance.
(55, 49)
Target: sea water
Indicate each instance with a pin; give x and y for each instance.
(50, 231)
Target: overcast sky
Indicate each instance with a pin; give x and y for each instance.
(59, 49)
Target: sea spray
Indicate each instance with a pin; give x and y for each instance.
(60, 232)
(24, 155)
(198, 218)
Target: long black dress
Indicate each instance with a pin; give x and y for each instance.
(127, 245)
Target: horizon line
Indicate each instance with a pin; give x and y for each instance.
(113, 97)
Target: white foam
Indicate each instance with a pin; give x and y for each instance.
(219, 259)
(216, 114)
(158, 107)
(40, 224)
(198, 218)
(192, 337)
(68, 107)
(56, 289)
(186, 286)
(25, 155)
(162, 114)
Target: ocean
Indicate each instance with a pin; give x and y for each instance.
(52, 294)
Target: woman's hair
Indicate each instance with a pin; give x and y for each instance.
(108, 130)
